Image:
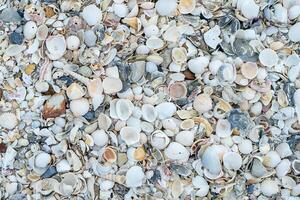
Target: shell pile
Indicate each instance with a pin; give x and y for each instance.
(143, 99)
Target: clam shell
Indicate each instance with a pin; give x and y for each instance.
(211, 161)
(271, 159)
(185, 138)
(130, 135)
(112, 85)
(223, 128)
(187, 124)
(176, 151)
(283, 168)
(134, 176)
(79, 107)
(42, 160)
(249, 70)
(177, 90)
(166, 7)
(42, 32)
(284, 150)
(149, 113)
(296, 166)
(201, 184)
(109, 155)
(56, 46)
(100, 137)
(179, 55)
(124, 108)
(159, 139)
(75, 91)
(294, 32)
(73, 42)
(186, 6)
(249, 9)
(165, 110)
(30, 30)
(198, 65)
(245, 147)
(232, 161)
(268, 57)
(104, 122)
(154, 43)
(91, 14)
(202, 103)
(269, 187)
(8, 120)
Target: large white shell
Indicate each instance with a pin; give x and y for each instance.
(124, 108)
(185, 138)
(186, 6)
(223, 128)
(79, 107)
(149, 113)
(134, 176)
(211, 161)
(269, 187)
(165, 110)
(202, 103)
(176, 151)
(159, 139)
(42, 160)
(100, 137)
(92, 14)
(166, 7)
(249, 8)
(56, 46)
(112, 85)
(284, 150)
(8, 120)
(232, 161)
(29, 30)
(245, 147)
(201, 184)
(130, 135)
(268, 57)
(198, 65)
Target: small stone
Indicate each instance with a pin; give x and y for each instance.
(16, 38)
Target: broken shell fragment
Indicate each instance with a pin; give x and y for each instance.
(79, 107)
(135, 176)
(112, 85)
(202, 103)
(176, 151)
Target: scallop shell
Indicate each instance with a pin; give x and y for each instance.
(271, 159)
(130, 135)
(56, 46)
(73, 42)
(269, 187)
(8, 120)
(186, 6)
(91, 14)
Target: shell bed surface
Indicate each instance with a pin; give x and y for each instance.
(156, 100)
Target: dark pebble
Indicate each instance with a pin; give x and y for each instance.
(2, 148)
(250, 189)
(89, 115)
(16, 38)
(51, 171)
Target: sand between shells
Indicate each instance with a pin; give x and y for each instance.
(166, 99)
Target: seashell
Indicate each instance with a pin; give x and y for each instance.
(100, 138)
(296, 190)
(154, 43)
(294, 12)
(42, 32)
(283, 168)
(139, 154)
(177, 90)
(296, 98)
(91, 14)
(198, 65)
(245, 147)
(223, 128)
(149, 113)
(177, 188)
(54, 107)
(68, 184)
(73, 42)
(159, 139)
(211, 37)
(271, 159)
(133, 22)
(211, 161)
(185, 138)
(151, 31)
(169, 124)
(74, 160)
(176, 151)
(120, 9)
(109, 155)
(42, 160)
(186, 6)
(284, 150)
(226, 73)
(156, 59)
(203, 122)
(187, 124)
(232, 161)
(63, 166)
(258, 169)
(201, 184)
(166, 7)
(8, 120)
(249, 70)
(179, 55)
(112, 85)
(30, 30)
(296, 166)
(124, 109)
(172, 34)
(90, 38)
(75, 91)
(79, 107)
(249, 9)
(293, 32)
(288, 182)
(130, 135)
(134, 176)
(268, 57)
(56, 46)
(14, 50)
(45, 186)
(202, 103)
(104, 122)
(165, 110)
(269, 187)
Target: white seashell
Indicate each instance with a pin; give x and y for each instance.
(90, 38)
(283, 168)
(185, 138)
(297, 103)
(223, 128)
(198, 65)
(280, 14)
(112, 85)
(165, 110)
(232, 161)
(149, 113)
(169, 124)
(73, 42)
(142, 50)
(79, 107)
(268, 57)
(14, 50)
(179, 55)
(154, 43)
(56, 46)
(172, 34)
(187, 124)
(63, 166)
(202, 103)
(214, 66)
(201, 184)
(124, 109)
(11, 188)
(120, 9)
(186, 6)
(288, 182)
(176, 151)
(296, 166)
(166, 7)
(33, 47)
(212, 38)
(100, 137)
(249, 70)
(249, 9)
(294, 32)
(294, 12)
(130, 135)
(211, 161)
(245, 147)
(159, 139)
(134, 176)
(269, 187)
(106, 185)
(8, 120)
(104, 122)
(42, 160)
(30, 30)
(42, 32)
(284, 150)
(92, 14)
(248, 93)
(151, 30)
(296, 191)
(75, 91)
(151, 67)
(271, 159)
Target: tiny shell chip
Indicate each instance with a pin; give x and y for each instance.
(8, 120)
(294, 31)
(91, 14)
(249, 70)
(268, 57)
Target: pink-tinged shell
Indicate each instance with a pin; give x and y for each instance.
(75, 23)
(261, 87)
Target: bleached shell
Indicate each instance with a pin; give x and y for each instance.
(248, 93)
(42, 32)
(112, 85)
(79, 107)
(268, 57)
(134, 176)
(185, 138)
(179, 55)
(296, 166)
(42, 160)
(8, 120)
(14, 50)
(211, 37)
(63, 166)
(142, 50)
(296, 190)
(249, 9)
(245, 147)
(232, 161)
(201, 184)
(100, 137)
(186, 6)
(104, 122)
(294, 12)
(296, 98)
(151, 30)
(29, 30)
(166, 7)
(165, 110)
(73, 42)
(56, 46)
(249, 70)
(283, 168)
(120, 9)
(211, 161)
(269, 187)
(45, 186)
(176, 151)
(169, 124)
(75, 91)
(124, 108)
(172, 34)
(271, 159)
(198, 65)
(92, 14)
(223, 128)
(154, 43)
(202, 103)
(149, 113)
(293, 34)
(177, 90)
(187, 124)
(130, 135)
(288, 182)
(284, 150)
(159, 139)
